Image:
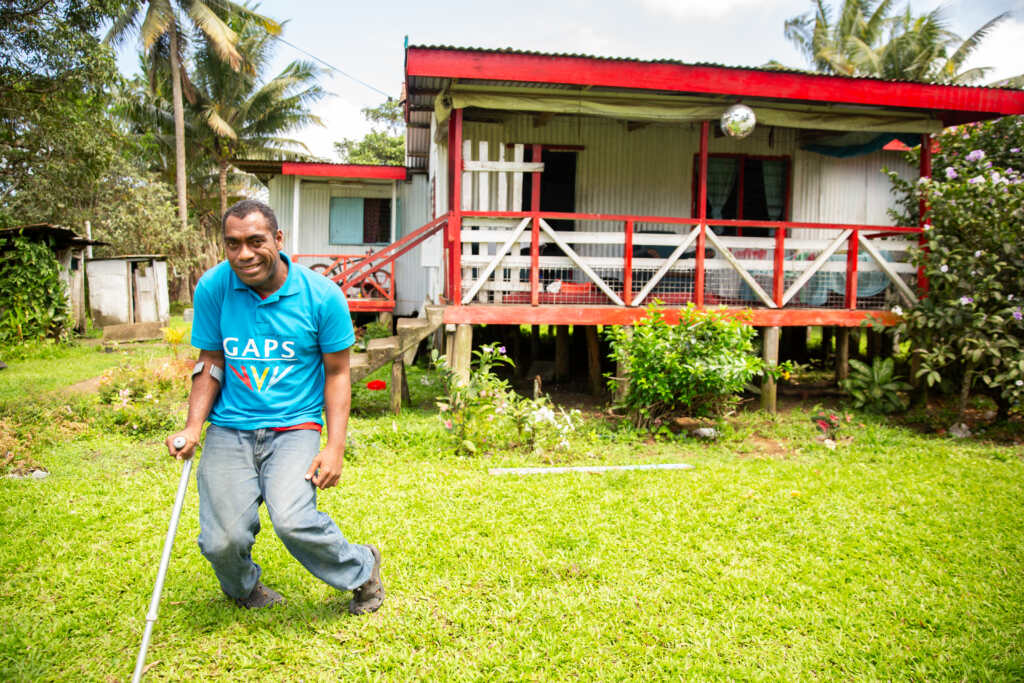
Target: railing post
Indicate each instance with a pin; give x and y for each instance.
(851, 269)
(779, 276)
(925, 172)
(537, 155)
(702, 213)
(455, 209)
(627, 266)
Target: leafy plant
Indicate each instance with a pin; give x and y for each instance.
(33, 302)
(829, 421)
(698, 366)
(486, 412)
(875, 387)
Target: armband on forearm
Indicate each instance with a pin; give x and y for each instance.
(215, 372)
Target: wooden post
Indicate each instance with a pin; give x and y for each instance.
(770, 351)
(462, 351)
(387, 319)
(622, 372)
(406, 396)
(449, 343)
(562, 352)
(826, 342)
(397, 372)
(842, 353)
(594, 361)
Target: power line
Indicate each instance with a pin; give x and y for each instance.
(332, 67)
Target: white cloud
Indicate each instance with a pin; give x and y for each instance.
(682, 10)
(1001, 50)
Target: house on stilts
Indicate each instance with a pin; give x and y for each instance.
(549, 189)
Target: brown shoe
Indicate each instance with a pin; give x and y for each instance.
(260, 597)
(369, 597)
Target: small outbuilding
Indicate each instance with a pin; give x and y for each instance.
(69, 248)
(127, 290)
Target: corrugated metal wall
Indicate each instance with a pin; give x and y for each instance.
(855, 190)
(417, 272)
(281, 189)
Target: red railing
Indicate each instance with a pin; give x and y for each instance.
(374, 293)
(775, 277)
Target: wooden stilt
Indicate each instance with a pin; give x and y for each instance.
(406, 396)
(622, 372)
(594, 361)
(826, 343)
(397, 372)
(842, 353)
(770, 351)
(562, 353)
(386, 319)
(462, 351)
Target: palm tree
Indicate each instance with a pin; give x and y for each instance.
(161, 20)
(868, 40)
(241, 115)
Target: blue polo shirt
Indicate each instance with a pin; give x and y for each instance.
(272, 347)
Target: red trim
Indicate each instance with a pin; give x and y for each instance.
(778, 277)
(455, 209)
(702, 212)
(925, 172)
(537, 156)
(505, 314)
(344, 170)
(963, 102)
(627, 265)
(851, 270)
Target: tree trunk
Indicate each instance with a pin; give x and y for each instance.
(965, 389)
(179, 128)
(223, 187)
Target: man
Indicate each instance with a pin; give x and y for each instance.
(274, 342)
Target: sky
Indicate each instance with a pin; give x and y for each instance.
(365, 40)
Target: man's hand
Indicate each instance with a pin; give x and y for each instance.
(325, 471)
(188, 450)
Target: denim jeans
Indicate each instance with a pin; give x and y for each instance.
(240, 469)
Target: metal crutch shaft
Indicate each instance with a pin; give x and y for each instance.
(165, 559)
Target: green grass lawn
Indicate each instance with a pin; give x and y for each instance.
(897, 556)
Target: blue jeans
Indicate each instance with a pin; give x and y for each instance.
(240, 469)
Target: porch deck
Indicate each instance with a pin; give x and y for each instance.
(516, 267)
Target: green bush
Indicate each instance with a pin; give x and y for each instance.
(698, 366)
(33, 300)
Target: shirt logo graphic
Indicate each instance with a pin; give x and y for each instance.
(253, 377)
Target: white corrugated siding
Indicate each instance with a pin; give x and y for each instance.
(281, 189)
(417, 272)
(854, 190)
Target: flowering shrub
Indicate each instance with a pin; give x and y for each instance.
(968, 329)
(698, 366)
(144, 400)
(486, 412)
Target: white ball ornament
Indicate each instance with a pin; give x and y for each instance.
(738, 121)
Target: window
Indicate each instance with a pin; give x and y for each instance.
(358, 220)
(746, 188)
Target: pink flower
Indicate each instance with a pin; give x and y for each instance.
(447, 424)
(376, 385)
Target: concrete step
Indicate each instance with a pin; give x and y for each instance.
(382, 350)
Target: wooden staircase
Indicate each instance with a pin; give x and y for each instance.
(397, 350)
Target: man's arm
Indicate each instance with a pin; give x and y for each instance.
(201, 398)
(326, 468)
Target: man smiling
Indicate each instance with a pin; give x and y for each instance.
(274, 342)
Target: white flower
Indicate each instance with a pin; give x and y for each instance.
(1020, 383)
(977, 254)
(944, 268)
(897, 310)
